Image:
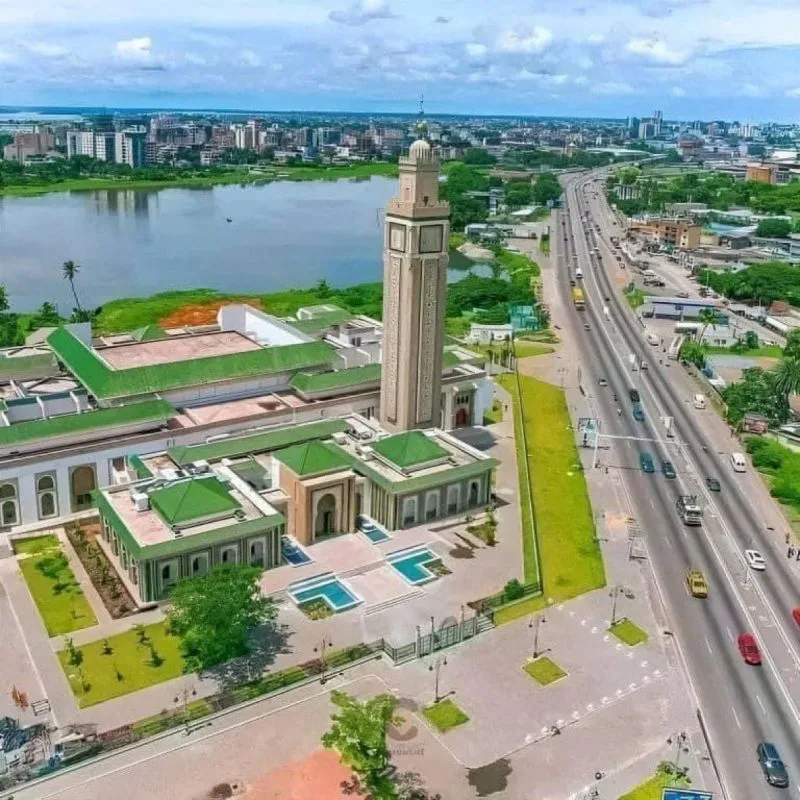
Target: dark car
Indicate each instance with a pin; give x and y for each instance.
(749, 649)
(646, 461)
(771, 765)
(634, 395)
(668, 469)
(638, 412)
(713, 484)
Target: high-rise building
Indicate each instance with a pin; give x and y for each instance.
(415, 283)
(131, 148)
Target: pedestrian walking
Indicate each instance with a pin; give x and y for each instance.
(790, 552)
(798, 554)
(787, 538)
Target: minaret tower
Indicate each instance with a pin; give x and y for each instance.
(414, 294)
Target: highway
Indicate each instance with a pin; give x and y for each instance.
(741, 705)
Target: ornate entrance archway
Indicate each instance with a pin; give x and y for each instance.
(325, 521)
(82, 484)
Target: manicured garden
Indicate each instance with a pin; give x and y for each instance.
(652, 788)
(122, 664)
(544, 671)
(628, 632)
(444, 715)
(53, 586)
(569, 552)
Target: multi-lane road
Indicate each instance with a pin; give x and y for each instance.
(741, 705)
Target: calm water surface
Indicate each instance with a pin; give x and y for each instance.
(129, 243)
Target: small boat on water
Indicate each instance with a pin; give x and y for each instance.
(228, 219)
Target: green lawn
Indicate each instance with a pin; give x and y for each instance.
(444, 715)
(628, 632)
(524, 349)
(53, 585)
(494, 414)
(773, 351)
(652, 788)
(635, 298)
(570, 554)
(127, 668)
(544, 671)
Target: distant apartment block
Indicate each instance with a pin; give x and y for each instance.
(26, 145)
(762, 173)
(123, 147)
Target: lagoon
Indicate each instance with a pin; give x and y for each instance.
(135, 243)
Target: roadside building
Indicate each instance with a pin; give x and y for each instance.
(762, 173)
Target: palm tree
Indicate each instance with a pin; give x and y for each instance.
(787, 376)
(69, 271)
(708, 316)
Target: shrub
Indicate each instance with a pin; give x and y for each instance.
(513, 590)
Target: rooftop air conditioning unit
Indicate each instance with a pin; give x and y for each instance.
(339, 438)
(141, 501)
(239, 514)
(201, 466)
(170, 474)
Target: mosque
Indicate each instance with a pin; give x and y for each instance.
(243, 440)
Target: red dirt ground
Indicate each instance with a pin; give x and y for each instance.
(202, 313)
(318, 777)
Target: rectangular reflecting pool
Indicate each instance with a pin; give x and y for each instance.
(375, 534)
(324, 587)
(292, 553)
(411, 564)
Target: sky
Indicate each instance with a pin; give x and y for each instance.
(693, 59)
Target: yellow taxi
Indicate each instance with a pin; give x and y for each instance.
(696, 582)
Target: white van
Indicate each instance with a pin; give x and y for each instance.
(699, 401)
(738, 462)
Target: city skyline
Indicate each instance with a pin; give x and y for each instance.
(695, 60)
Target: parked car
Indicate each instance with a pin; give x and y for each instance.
(638, 412)
(713, 484)
(749, 649)
(634, 395)
(696, 582)
(796, 615)
(755, 560)
(602, 382)
(771, 765)
(646, 462)
(668, 469)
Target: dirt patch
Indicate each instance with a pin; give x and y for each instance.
(203, 313)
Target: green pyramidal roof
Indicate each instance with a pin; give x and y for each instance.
(192, 499)
(104, 382)
(409, 449)
(313, 458)
(149, 333)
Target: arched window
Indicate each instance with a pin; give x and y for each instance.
(229, 555)
(83, 483)
(9, 510)
(432, 505)
(453, 498)
(474, 493)
(46, 496)
(409, 511)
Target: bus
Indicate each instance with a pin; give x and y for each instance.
(577, 298)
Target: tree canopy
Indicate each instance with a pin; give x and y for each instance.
(756, 392)
(215, 613)
(478, 156)
(772, 227)
(775, 280)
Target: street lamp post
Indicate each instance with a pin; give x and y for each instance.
(679, 740)
(436, 668)
(321, 648)
(183, 698)
(535, 623)
(614, 594)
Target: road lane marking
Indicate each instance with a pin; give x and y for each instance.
(736, 717)
(761, 705)
(708, 646)
(730, 633)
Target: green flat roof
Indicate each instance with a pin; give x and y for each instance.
(309, 382)
(22, 366)
(147, 411)
(322, 321)
(257, 443)
(313, 458)
(192, 499)
(183, 544)
(409, 449)
(104, 382)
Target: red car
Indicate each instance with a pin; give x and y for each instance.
(749, 649)
(796, 615)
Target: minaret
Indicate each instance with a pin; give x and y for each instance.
(414, 295)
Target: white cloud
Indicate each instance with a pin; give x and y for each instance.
(534, 41)
(655, 50)
(5, 56)
(793, 92)
(752, 90)
(361, 12)
(138, 49)
(46, 49)
(612, 87)
(559, 79)
(476, 50)
(595, 38)
(678, 91)
(249, 58)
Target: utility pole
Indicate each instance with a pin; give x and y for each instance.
(535, 624)
(183, 698)
(436, 668)
(321, 648)
(614, 594)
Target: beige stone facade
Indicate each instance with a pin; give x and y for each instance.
(415, 261)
